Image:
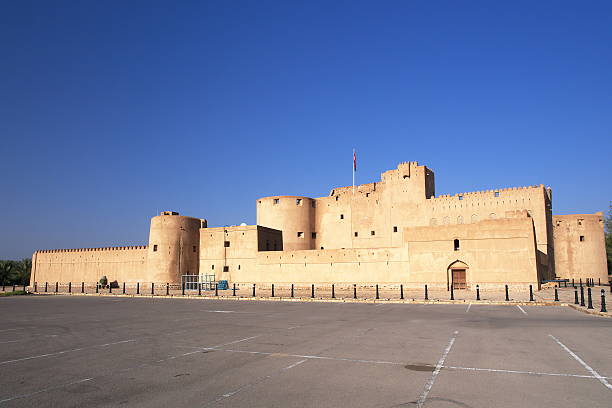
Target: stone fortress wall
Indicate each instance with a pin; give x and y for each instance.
(388, 232)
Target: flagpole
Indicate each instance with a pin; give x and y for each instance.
(353, 171)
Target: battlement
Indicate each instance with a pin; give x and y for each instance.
(494, 193)
(121, 248)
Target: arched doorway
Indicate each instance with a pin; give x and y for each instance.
(457, 275)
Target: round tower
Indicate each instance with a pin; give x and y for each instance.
(174, 247)
(293, 215)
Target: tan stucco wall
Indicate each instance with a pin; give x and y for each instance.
(575, 258)
(295, 214)
(123, 264)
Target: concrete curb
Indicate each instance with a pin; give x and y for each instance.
(587, 311)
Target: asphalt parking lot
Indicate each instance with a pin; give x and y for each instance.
(157, 352)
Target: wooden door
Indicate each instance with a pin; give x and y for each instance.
(459, 281)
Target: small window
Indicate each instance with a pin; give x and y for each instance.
(276, 201)
(367, 194)
(394, 229)
(226, 244)
(313, 235)
(460, 197)
(341, 216)
(226, 269)
(336, 198)
(300, 234)
(322, 248)
(238, 267)
(580, 221)
(213, 267)
(298, 201)
(582, 238)
(372, 232)
(194, 248)
(154, 248)
(497, 194)
(356, 234)
(456, 244)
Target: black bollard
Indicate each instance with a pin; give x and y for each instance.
(152, 288)
(477, 292)
(507, 297)
(590, 299)
(123, 291)
(401, 291)
(216, 289)
(272, 290)
(14, 286)
(573, 283)
(355, 291)
(530, 293)
(56, 287)
(292, 290)
(97, 287)
(199, 288)
(576, 296)
(581, 296)
(167, 288)
(598, 281)
(234, 290)
(333, 291)
(183, 288)
(426, 294)
(377, 297)
(35, 287)
(24, 287)
(138, 288)
(556, 295)
(603, 301)
(82, 287)
(69, 287)
(312, 291)
(110, 288)
(580, 282)
(452, 293)
(253, 290)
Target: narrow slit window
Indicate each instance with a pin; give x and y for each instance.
(226, 269)
(226, 244)
(276, 201)
(194, 248)
(372, 232)
(300, 234)
(394, 229)
(582, 238)
(456, 244)
(298, 201)
(154, 248)
(356, 234)
(313, 235)
(341, 216)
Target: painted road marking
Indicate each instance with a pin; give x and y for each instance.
(434, 375)
(237, 341)
(64, 352)
(521, 309)
(44, 390)
(585, 365)
(468, 308)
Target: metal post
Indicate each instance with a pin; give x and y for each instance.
(603, 301)
(355, 291)
(216, 289)
(598, 281)
(292, 290)
(138, 288)
(152, 288)
(183, 288)
(580, 282)
(452, 293)
(576, 296)
(82, 287)
(234, 290)
(97, 287)
(377, 292)
(56, 287)
(556, 295)
(312, 291)
(507, 297)
(590, 299)
(69, 287)
(199, 288)
(272, 290)
(573, 284)
(46, 286)
(401, 291)
(35, 287)
(426, 294)
(530, 293)
(477, 292)
(253, 290)
(333, 292)
(167, 288)
(123, 291)
(110, 287)
(581, 296)
(14, 286)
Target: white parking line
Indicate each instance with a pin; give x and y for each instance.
(434, 375)
(585, 365)
(64, 352)
(495, 370)
(521, 309)
(468, 308)
(44, 390)
(234, 342)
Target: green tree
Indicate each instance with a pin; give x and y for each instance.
(15, 272)
(608, 232)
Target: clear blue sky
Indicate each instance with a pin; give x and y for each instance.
(113, 111)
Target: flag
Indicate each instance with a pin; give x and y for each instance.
(354, 160)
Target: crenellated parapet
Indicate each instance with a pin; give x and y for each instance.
(119, 248)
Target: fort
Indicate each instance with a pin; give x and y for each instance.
(394, 231)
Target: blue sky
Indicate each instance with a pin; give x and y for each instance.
(113, 111)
